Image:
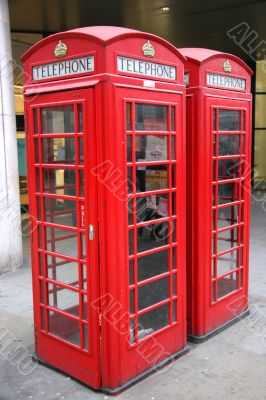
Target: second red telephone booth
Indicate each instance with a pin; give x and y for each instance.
(218, 189)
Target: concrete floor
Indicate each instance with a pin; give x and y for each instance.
(231, 365)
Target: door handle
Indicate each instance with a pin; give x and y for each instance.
(91, 232)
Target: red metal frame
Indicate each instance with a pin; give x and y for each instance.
(215, 296)
(111, 362)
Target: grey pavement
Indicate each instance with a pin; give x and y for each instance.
(232, 365)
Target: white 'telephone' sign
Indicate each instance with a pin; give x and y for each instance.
(225, 81)
(74, 66)
(145, 68)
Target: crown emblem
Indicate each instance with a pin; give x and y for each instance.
(227, 66)
(148, 50)
(60, 49)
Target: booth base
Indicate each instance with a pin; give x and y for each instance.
(126, 385)
(203, 338)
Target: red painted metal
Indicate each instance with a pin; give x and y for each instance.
(84, 322)
(217, 219)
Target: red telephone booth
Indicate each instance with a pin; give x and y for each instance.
(105, 145)
(218, 189)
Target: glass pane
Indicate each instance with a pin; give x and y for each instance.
(228, 145)
(58, 150)
(81, 183)
(228, 169)
(229, 120)
(227, 216)
(64, 328)
(62, 241)
(214, 113)
(58, 119)
(130, 211)
(153, 320)
(151, 148)
(173, 147)
(63, 271)
(60, 181)
(152, 236)
(62, 212)
(35, 119)
(228, 193)
(128, 117)
(172, 118)
(227, 262)
(131, 272)
(130, 185)
(152, 207)
(130, 241)
(153, 293)
(227, 285)
(81, 151)
(227, 239)
(152, 265)
(80, 118)
(129, 148)
(151, 178)
(151, 117)
(63, 299)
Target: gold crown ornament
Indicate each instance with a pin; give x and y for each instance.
(227, 66)
(60, 49)
(148, 50)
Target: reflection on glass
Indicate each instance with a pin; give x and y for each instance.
(151, 147)
(151, 178)
(152, 207)
(152, 236)
(58, 150)
(151, 117)
(63, 299)
(60, 181)
(153, 293)
(152, 265)
(227, 262)
(228, 193)
(229, 120)
(58, 119)
(63, 271)
(228, 145)
(62, 241)
(228, 169)
(227, 239)
(153, 321)
(61, 212)
(227, 285)
(64, 328)
(227, 216)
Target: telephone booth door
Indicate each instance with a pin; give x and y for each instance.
(61, 151)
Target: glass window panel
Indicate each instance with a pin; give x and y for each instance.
(227, 285)
(228, 193)
(260, 117)
(152, 265)
(64, 328)
(174, 259)
(152, 236)
(131, 301)
(43, 313)
(129, 180)
(152, 207)
(227, 262)
(128, 116)
(83, 246)
(151, 117)
(153, 321)
(130, 241)
(38, 181)
(63, 271)
(153, 293)
(36, 149)
(84, 276)
(151, 147)
(151, 178)
(214, 150)
(81, 151)
(174, 285)
(62, 241)
(228, 145)
(131, 271)
(58, 119)
(229, 169)
(214, 113)
(58, 150)
(62, 212)
(227, 239)
(40, 236)
(173, 147)
(214, 175)
(174, 310)
(129, 148)
(35, 118)
(173, 118)
(86, 336)
(84, 307)
(60, 181)
(81, 182)
(229, 120)
(132, 331)
(228, 216)
(63, 299)
(130, 211)
(80, 118)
